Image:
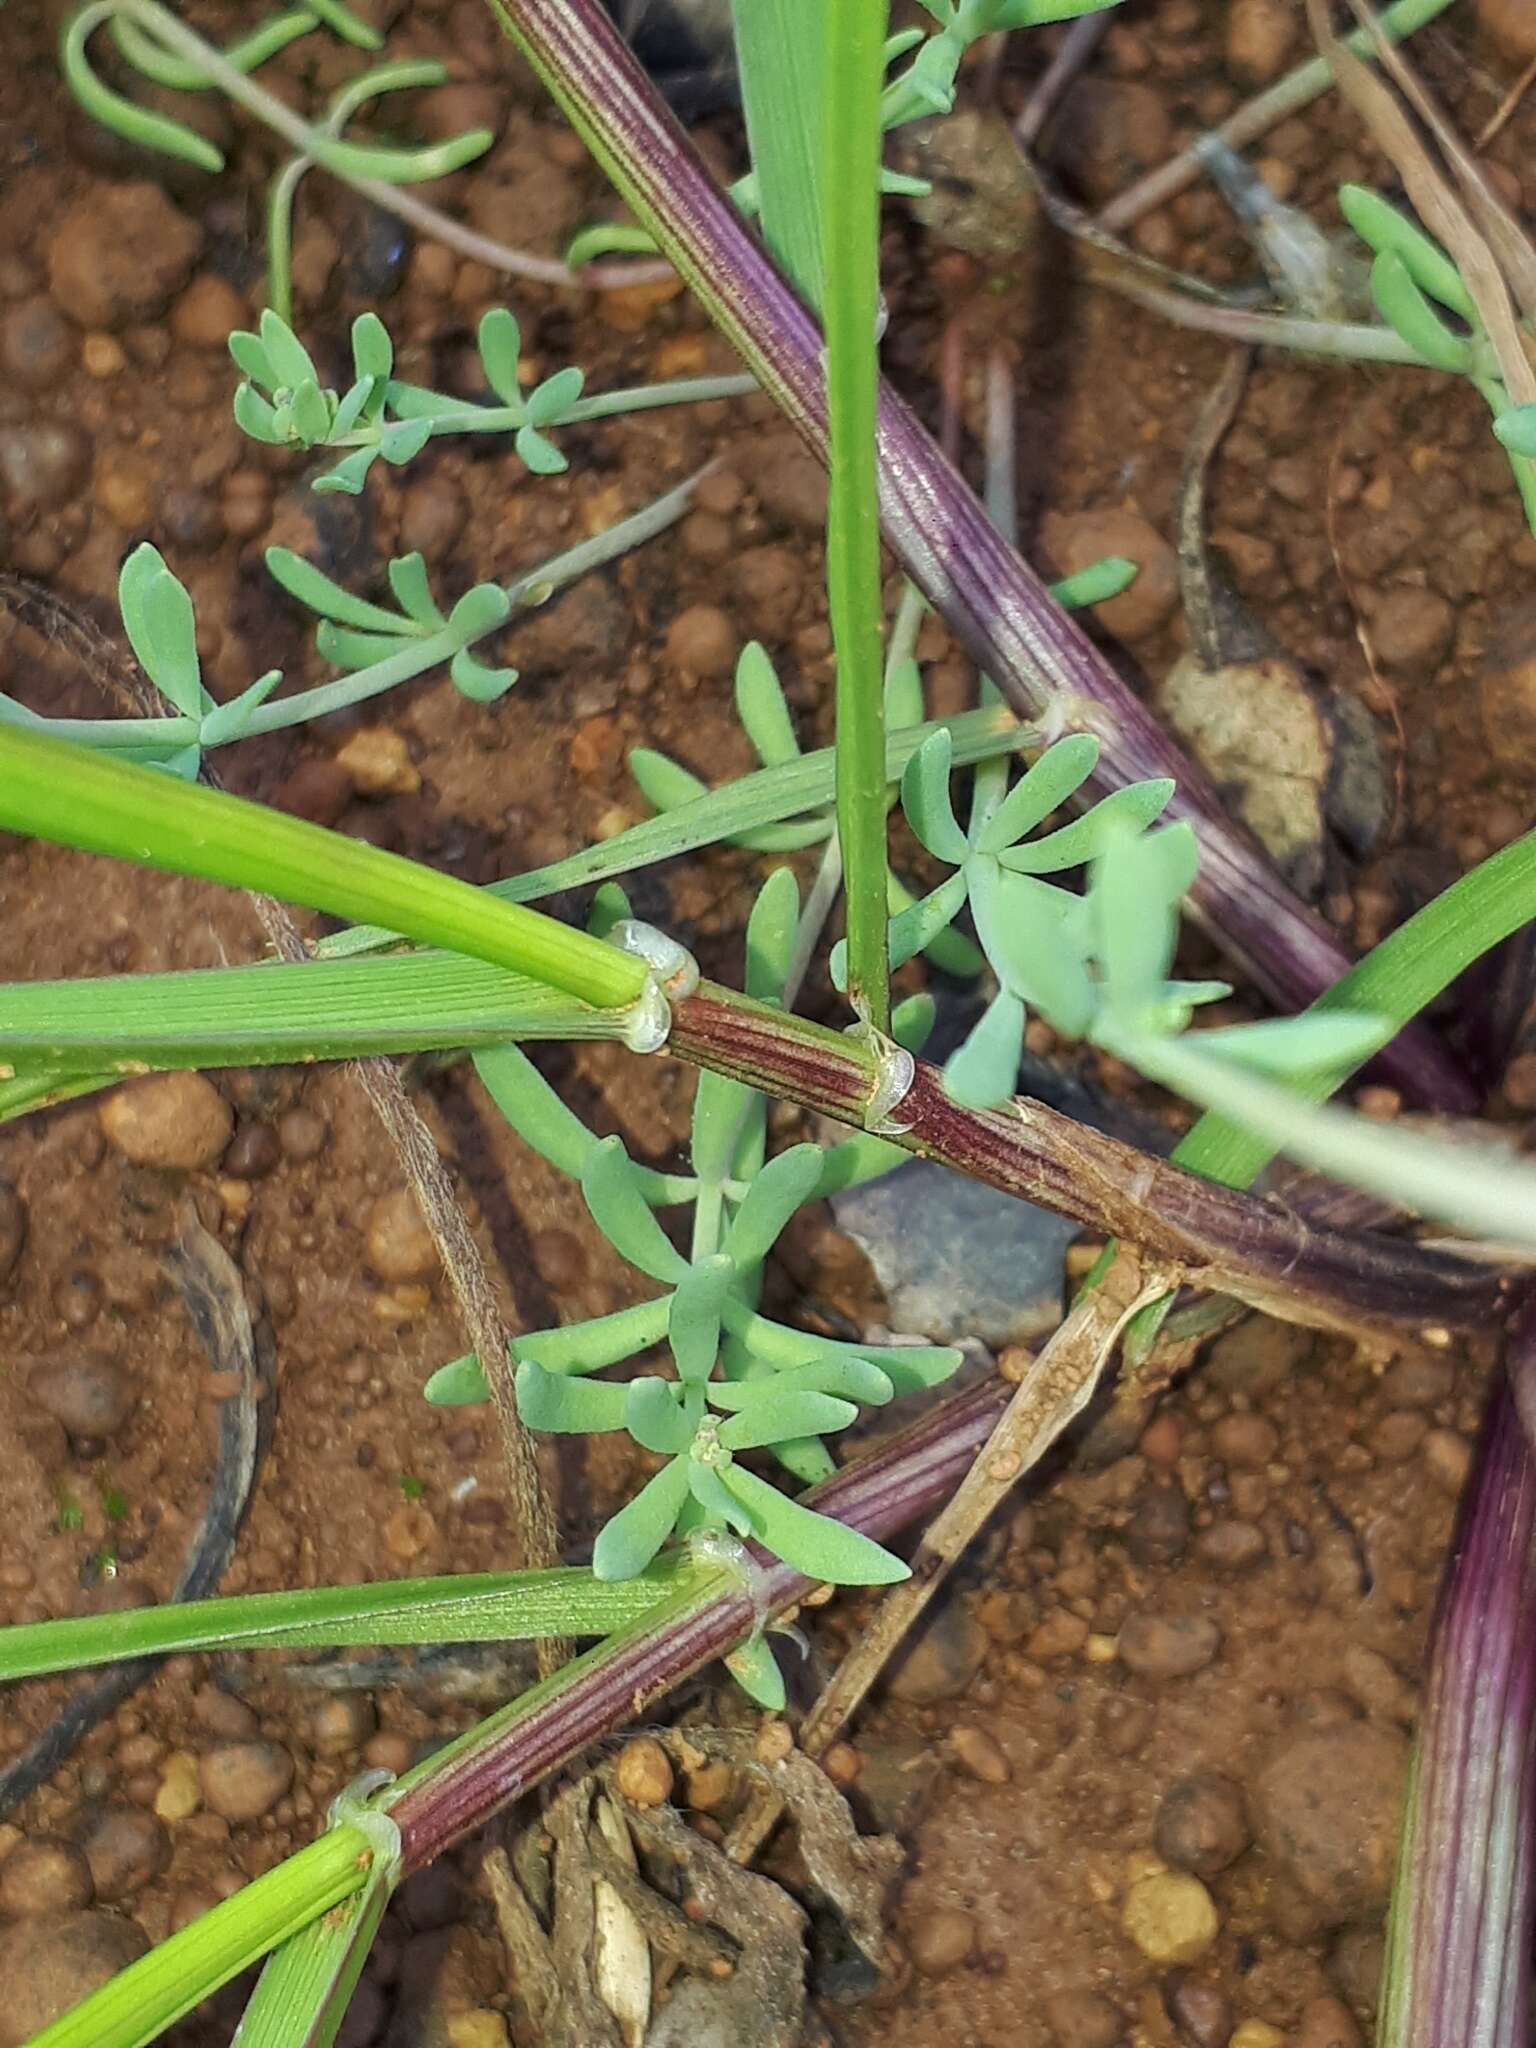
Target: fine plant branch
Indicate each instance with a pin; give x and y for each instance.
(306, 139)
(1040, 661)
(1056, 1387)
(1287, 96)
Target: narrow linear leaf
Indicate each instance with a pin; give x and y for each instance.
(1060, 771)
(812, 1543)
(614, 1195)
(626, 1545)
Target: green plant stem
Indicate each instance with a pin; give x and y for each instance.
(416, 401)
(781, 59)
(532, 588)
(850, 195)
(76, 798)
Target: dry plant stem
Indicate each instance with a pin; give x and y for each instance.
(1222, 1241)
(1077, 47)
(1298, 89)
(1054, 1391)
(1507, 240)
(1502, 113)
(1040, 660)
(1436, 204)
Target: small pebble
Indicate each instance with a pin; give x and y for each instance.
(842, 1764)
(1158, 1530)
(253, 1151)
(37, 345)
(643, 1772)
(126, 1848)
(103, 356)
(1257, 2034)
(119, 253)
(943, 1656)
(180, 1791)
(207, 313)
(50, 1962)
(1448, 1459)
(1412, 630)
(1061, 1634)
(790, 484)
(1083, 2019)
(1171, 1917)
(1511, 25)
(43, 465)
(400, 1246)
(1168, 1646)
(244, 1780)
(177, 1121)
(1257, 1355)
(302, 1135)
(480, 2028)
(92, 1395)
(409, 1530)
(1200, 2010)
(1259, 34)
(1417, 1380)
(1076, 540)
(709, 1787)
(1247, 1442)
(342, 1723)
(978, 1755)
(941, 1940)
(1232, 1546)
(1325, 1807)
(1202, 1824)
(220, 1713)
(45, 1875)
(379, 763)
(1328, 2023)
(702, 641)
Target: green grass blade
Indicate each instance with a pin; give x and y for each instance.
(854, 59)
(68, 794)
(781, 62)
(468, 1607)
(279, 1012)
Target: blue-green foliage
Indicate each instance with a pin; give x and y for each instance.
(741, 1381)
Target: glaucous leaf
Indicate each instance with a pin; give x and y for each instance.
(925, 799)
(1060, 771)
(626, 1544)
(614, 1195)
(812, 1543)
(564, 1405)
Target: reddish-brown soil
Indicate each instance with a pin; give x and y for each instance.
(1292, 1501)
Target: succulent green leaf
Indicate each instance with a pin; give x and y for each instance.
(775, 1195)
(612, 1188)
(408, 580)
(925, 799)
(1060, 770)
(849, 1378)
(982, 1072)
(534, 1110)
(664, 783)
(162, 628)
(771, 929)
(563, 1405)
(255, 417)
(721, 1507)
(904, 696)
(501, 345)
(654, 1417)
(403, 440)
(1026, 929)
(912, 1021)
(352, 405)
(350, 474)
(1136, 806)
(919, 926)
(775, 1416)
(539, 454)
(287, 358)
(226, 722)
(1096, 584)
(693, 1322)
(1295, 1045)
(345, 648)
(1407, 308)
(608, 238)
(478, 612)
(756, 1670)
(601, 1341)
(717, 1106)
(915, 1368)
(251, 359)
(762, 708)
(549, 402)
(477, 680)
(626, 1545)
(1139, 881)
(1517, 429)
(310, 412)
(373, 353)
(461, 1383)
(812, 1543)
(1376, 221)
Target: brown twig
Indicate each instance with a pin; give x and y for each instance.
(1055, 1390)
(1507, 106)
